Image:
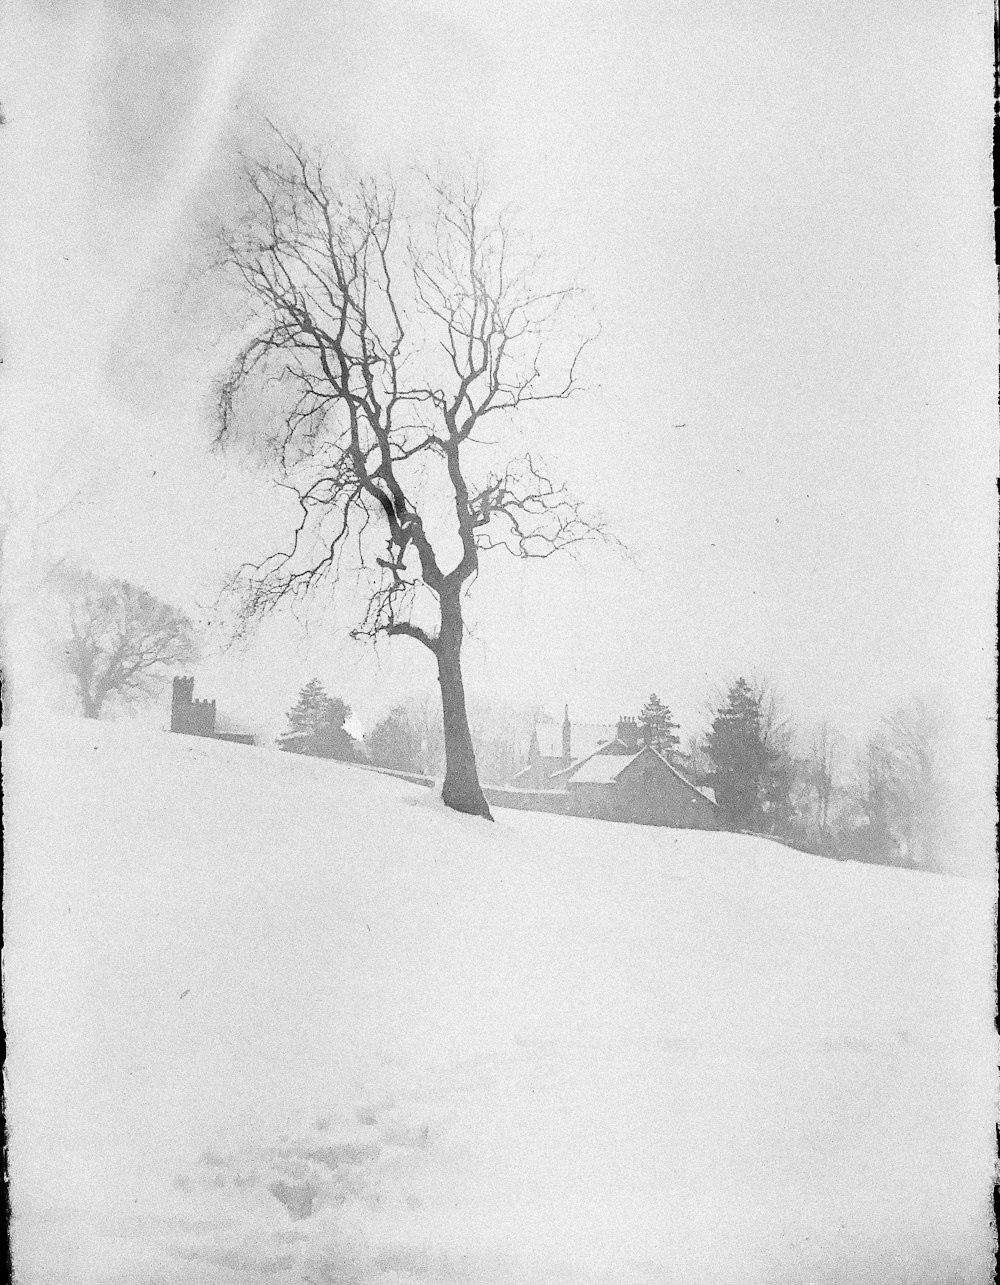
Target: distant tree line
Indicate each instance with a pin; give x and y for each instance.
(317, 727)
(882, 804)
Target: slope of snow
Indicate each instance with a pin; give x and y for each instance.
(277, 1019)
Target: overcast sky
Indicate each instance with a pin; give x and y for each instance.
(781, 213)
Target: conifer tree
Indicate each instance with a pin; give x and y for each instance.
(742, 762)
(395, 743)
(657, 727)
(316, 725)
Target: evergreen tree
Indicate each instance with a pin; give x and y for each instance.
(741, 760)
(395, 743)
(316, 725)
(657, 727)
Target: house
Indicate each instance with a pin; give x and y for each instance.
(197, 717)
(621, 780)
(553, 749)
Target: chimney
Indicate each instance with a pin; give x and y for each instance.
(567, 737)
(628, 734)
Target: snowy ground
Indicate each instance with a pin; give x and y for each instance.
(275, 1019)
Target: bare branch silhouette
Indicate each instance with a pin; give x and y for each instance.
(387, 343)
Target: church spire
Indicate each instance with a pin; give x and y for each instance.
(567, 733)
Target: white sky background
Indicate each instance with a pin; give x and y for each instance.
(783, 218)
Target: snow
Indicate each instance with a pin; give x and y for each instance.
(602, 769)
(277, 1019)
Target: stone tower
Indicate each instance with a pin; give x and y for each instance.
(196, 718)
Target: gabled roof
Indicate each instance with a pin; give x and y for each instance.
(604, 766)
(707, 794)
(535, 771)
(604, 747)
(601, 769)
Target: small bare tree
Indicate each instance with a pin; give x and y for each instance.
(874, 797)
(900, 788)
(119, 640)
(912, 735)
(821, 771)
(29, 509)
(391, 341)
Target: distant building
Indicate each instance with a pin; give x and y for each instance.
(619, 780)
(554, 748)
(197, 717)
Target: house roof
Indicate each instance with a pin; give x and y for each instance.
(602, 748)
(600, 769)
(533, 775)
(604, 768)
(705, 791)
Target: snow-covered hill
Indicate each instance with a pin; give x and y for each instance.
(277, 1019)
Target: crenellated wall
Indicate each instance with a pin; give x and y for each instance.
(195, 717)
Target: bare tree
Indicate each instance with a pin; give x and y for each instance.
(695, 759)
(875, 840)
(119, 639)
(424, 712)
(911, 736)
(900, 790)
(821, 770)
(777, 735)
(29, 510)
(501, 732)
(391, 342)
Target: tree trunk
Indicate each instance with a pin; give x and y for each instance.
(91, 705)
(462, 790)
